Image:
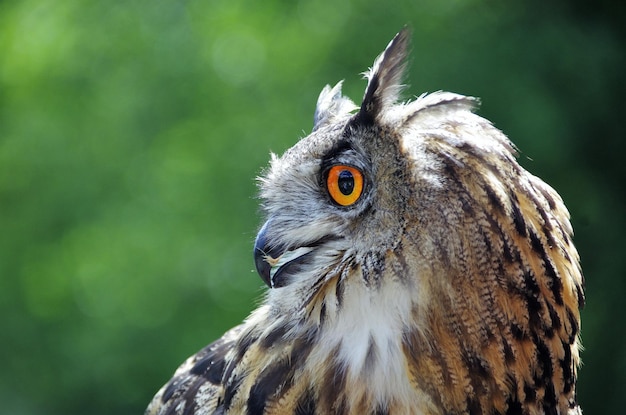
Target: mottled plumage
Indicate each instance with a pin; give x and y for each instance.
(415, 268)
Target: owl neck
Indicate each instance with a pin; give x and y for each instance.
(363, 332)
(348, 345)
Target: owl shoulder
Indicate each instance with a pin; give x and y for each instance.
(196, 387)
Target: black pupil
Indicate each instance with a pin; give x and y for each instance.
(346, 182)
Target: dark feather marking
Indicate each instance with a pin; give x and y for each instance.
(370, 357)
(188, 397)
(231, 388)
(534, 313)
(341, 407)
(381, 411)
(474, 407)
(509, 356)
(232, 385)
(565, 235)
(547, 196)
(518, 218)
(566, 365)
(511, 253)
(549, 400)
(565, 254)
(337, 375)
(478, 371)
(277, 379)
(451, 166)
(306, 404)
(554, 281)
(334, 382)
(514, 407)
(494, 199)
(518, 332)
(191, 404)
(172, 387)
(536, 244)
(323, 313)
(529, 391)
(542, 377)
(372, 268)
(476, 365)
(268, 384)
(554, 317)
(547, 224)
(573, 325)
(211, 361)
(246, 340)
(513, 169)
(486, 239)
(315, 286)
(273, 336)
(370, 106)
(315, 289)
(466, 206)
(531, 283)
(547, 229)
(211, 369)
(530, 293)
(548, 332)
(339, 289)
(580, 296)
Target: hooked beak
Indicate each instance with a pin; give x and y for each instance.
(263, 255)
(275, 264)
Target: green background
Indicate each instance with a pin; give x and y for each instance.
(131, 133)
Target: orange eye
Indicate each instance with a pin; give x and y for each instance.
(344, 184)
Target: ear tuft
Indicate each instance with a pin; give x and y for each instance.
(385, 78)
(330, 105)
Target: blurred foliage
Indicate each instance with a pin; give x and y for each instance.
(131, 133)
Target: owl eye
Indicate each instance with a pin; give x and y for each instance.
(344, 184)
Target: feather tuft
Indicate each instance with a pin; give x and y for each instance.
(330, 105)
(385, 78)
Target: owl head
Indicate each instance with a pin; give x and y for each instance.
(406, 236)
(350, 188)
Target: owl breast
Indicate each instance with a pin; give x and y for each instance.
(361, 332)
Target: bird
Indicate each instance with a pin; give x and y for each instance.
(413, 267)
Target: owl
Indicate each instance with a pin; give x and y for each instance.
(413, 266)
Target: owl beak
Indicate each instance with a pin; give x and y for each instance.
(275, 264)
(264, 254)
